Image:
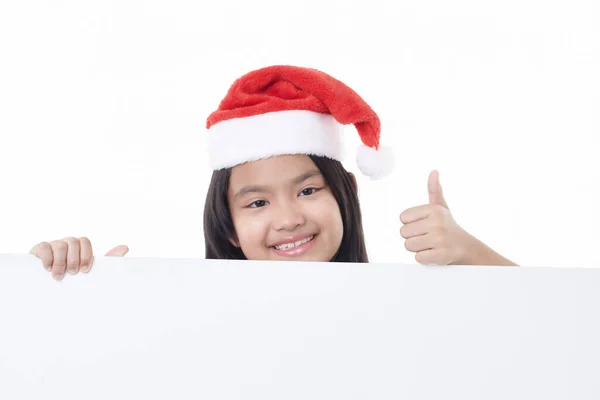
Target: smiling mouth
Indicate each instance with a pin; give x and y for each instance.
(292, 245)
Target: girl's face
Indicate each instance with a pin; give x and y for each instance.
(282, 209)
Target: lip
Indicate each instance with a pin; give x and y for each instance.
(295, 251)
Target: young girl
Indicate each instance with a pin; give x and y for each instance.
(279, 190)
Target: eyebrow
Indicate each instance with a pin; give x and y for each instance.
(260, 189)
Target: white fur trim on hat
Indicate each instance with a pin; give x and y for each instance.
(374, 163)
(239, 140)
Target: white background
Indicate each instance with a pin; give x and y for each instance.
(103, 107)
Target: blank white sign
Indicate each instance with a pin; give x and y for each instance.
(180, 329)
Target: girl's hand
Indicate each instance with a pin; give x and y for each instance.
(70, 255)
(432, 233)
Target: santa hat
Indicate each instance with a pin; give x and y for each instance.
(281, 110)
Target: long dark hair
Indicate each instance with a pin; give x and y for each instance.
(218, 225)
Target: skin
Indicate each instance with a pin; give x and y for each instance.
(431, 232)
(70, 255)
(282, 198)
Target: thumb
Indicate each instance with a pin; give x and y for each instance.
(118, 251)
(436, 195)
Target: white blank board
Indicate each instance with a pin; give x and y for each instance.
(180, 329)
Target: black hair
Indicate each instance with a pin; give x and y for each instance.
(219, 229)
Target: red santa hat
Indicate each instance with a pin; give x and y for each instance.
(281, 110)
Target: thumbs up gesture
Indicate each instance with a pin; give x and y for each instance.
(431, 232)
(434, 236)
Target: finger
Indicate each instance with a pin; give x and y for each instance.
(72, 255)
(86, 255)
(431, 257)
(43, 251)
(118, 251)
(416, 228)
(420, 243)
(436, 195)
(59, 251)
(416, 213)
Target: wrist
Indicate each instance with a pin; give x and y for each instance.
(469, 254)
(475, 251)
(478, 253)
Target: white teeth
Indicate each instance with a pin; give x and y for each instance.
(287, 246)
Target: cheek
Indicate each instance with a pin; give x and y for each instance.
(330, 218)
(250, 230)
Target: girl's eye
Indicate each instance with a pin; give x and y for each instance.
(257, 204)
(308, 191)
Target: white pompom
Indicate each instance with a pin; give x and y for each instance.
(375, 163)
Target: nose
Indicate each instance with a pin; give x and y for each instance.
(289, 217)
